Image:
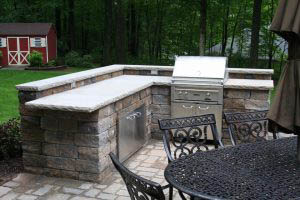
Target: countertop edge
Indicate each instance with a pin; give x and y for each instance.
(49, 83)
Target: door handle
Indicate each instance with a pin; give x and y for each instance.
(187, 107)
(134, 116)
(203, 108)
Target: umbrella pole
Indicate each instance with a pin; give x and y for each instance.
(298, 148)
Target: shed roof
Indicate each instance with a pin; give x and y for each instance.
(25, 28)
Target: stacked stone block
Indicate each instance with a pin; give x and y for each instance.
(147, 72)
(243, 100)
(160, 108)
(250, 76)
(76, 145)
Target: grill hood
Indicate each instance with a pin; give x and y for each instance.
(200, 70)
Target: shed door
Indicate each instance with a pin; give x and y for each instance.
(18, 50)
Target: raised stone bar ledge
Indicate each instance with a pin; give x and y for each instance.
(70, 123)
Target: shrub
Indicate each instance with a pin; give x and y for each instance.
(35, 59)
(87, 61)
(10, 139)
(73, 59)
(52, 63)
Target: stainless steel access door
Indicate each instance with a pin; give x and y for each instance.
(131, 134)
(187, 109)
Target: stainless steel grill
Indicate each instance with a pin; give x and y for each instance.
(197, 87)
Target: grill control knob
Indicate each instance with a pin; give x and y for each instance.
(186, 93)
(208, 94)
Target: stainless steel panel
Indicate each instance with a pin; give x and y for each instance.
(131, 134)
(207, 94)
(186, 109)
(191, 94)
(200, 67)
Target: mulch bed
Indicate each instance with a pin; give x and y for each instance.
(9, 169)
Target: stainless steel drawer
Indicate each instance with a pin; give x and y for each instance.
(194, 109)
(191, 94)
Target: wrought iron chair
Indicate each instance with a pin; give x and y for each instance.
(138, 187)
(247, 127)
(188, 135)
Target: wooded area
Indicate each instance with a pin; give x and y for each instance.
(155, 31)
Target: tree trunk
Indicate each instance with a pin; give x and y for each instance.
(225, 31)
(256, 17)
(203, 13)
(58, 21)
(132, 29)
(271, 38)
(71, 31)
(107, 47)
(121, 57)
(234, 31)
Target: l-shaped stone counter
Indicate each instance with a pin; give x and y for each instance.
(69, 123)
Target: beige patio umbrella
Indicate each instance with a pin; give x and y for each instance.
(284, 114)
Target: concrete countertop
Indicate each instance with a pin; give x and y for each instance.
(92, 97)
(249, 84)
(72, 78)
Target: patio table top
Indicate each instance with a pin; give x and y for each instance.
(261, 170)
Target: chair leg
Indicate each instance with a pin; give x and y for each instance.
(182, 196)
(171, 193)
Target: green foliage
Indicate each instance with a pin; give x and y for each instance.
(35, 59)
(52, 63)
(155, 31)
(9, 102)
(10, 139)
(73, 59)
(87, 61)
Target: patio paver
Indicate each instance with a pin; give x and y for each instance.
(149, 163)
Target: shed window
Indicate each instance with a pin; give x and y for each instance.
(38, 42)
(2, 42)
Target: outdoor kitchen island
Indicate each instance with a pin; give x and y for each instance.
(71, 123)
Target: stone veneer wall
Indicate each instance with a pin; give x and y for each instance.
(250, 76)
(76, 145)
(147, 72)
(235, 100)
(160, 108)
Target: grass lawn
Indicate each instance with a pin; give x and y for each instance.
(8, 94)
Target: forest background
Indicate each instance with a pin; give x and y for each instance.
(156, 31)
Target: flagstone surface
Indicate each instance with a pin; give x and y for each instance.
(149, 163)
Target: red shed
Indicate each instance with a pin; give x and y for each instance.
(17, 40)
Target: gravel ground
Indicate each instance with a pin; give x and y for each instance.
(10, 169)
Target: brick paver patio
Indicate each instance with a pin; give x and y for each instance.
(149, 163)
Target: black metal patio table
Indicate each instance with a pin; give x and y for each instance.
(261, 170)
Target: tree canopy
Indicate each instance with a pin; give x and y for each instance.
(155, 31)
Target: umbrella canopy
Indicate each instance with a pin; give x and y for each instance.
(285, 109)
(286, 21)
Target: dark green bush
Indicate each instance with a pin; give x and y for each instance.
(35, 59)
(52, 63)
(10, 139)
(74, 59)
(87, 61)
